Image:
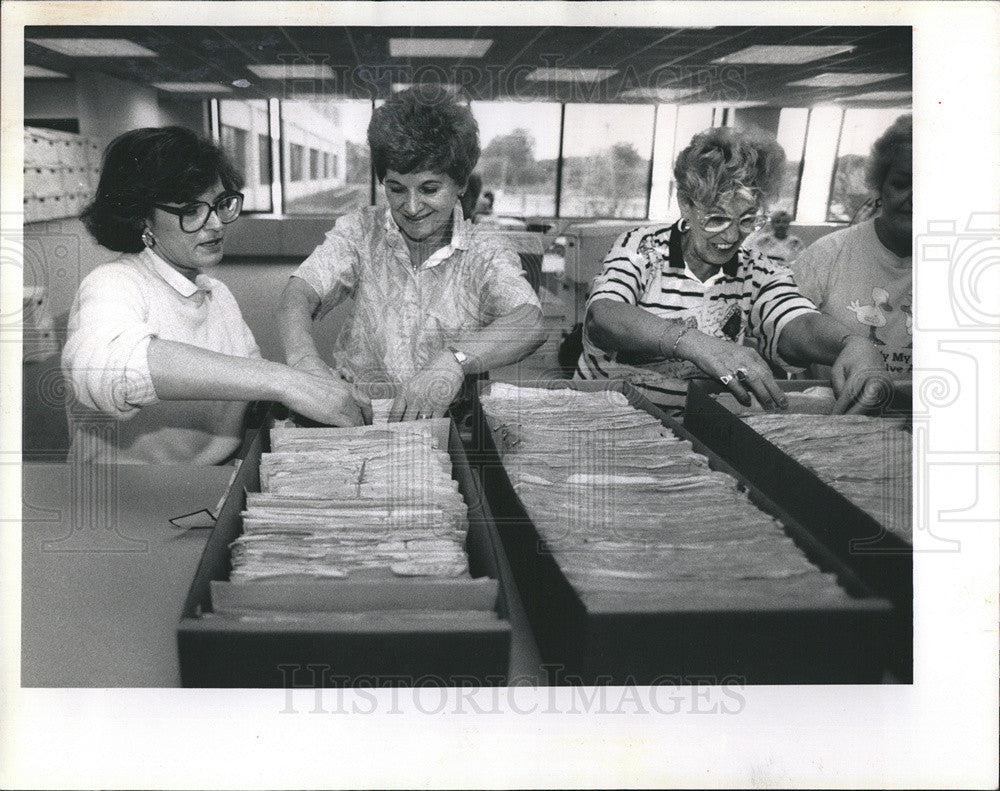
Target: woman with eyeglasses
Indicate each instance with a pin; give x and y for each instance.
(676, 301)
(160, 362)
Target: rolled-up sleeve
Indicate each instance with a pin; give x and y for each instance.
(105, 357)
(775, 301)
(504, 288)
(331, 269)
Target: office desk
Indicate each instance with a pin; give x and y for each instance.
(104, 576)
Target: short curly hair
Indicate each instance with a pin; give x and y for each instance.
(721, 160)
(168, 164)
(895, 141)
(424, 128)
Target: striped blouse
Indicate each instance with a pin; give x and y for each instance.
(751, 296)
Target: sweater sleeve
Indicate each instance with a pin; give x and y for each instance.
(105, 357)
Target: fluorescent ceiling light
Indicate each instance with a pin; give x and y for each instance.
(741, 105)
(448, 87)
(38, 72)
(837, 80)
(439, 47)
(95, 47)
(191, 87)
(570, 75)
(782, 54)
(292, 71)
(877, 96)
(658, 94)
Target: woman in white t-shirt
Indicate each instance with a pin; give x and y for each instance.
(160, 362)
(863, 275)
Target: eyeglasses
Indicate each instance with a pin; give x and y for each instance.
(193, 216)
(717, 223)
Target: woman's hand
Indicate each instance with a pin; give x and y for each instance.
(859, 378)
(738, 367)
(313, 364)
(430, 392)
(325, 398)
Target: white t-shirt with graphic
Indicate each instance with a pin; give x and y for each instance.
(851, 276)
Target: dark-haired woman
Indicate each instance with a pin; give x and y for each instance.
(435, 297)
(160, 361)
(676, 301)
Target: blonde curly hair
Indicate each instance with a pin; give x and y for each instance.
(721, 160)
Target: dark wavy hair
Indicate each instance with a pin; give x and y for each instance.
(721, 160)
(168, 164)
(424, 128)
(897, 140)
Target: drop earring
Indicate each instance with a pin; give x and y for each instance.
(147, 238)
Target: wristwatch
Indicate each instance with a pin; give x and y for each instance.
(461, 357)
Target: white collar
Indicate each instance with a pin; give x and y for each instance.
(461, 232)
(175, 279)
(696, 279)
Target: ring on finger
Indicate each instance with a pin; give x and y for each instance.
(742, 374)
(726, 379)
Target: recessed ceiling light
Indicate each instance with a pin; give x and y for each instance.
(836, 80)
(439, 47)
(658, 94)
(292, 71)
(877, 96)
(569, 75)
(95, 47)
(783, 53)
(37, 72)
(191, 87)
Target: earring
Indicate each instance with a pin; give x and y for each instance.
(683, 225)
(147, 238)
(878, 203)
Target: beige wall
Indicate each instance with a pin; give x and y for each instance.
(108, 107)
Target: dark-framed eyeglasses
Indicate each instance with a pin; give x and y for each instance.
(717, 223)
(193, 216)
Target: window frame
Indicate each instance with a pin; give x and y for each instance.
(329, 164)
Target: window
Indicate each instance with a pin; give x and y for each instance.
(689, 120)
(520, 144)
(606, 156)
(234, 141)
(858, 132)
(240, 124)
(616, 159)
(791, 137)
(264, 159)
(295, 152)
(331, 130)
